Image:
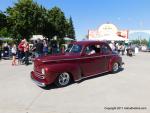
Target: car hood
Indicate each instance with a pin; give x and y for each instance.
(58, 57)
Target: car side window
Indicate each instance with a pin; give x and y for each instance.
(92, 49)
(105, 49)
(74, 48)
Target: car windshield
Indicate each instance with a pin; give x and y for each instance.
(74, 48)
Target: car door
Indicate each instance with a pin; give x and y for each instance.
(92, 63)
(106, 53)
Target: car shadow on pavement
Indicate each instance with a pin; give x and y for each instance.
(53, 86)
(49, 87)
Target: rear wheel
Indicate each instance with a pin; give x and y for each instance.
(63, 79)
(115, 67)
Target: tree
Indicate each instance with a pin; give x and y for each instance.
(144, 42)
(70, 29)
(135, 42)
(27, 18)
(57, 19)
(4, 32)
(40, 20)
(3, 25)
(140, 42)
(148, 43)
(24, 18)
(3, 21)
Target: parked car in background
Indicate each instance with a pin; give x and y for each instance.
(81, 60)
(144, 48)
(148, 49)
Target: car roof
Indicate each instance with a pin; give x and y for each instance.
(88, 42)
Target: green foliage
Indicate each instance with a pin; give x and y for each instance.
(135, 42)
(4, 32)
(3, 21)
(70, 29)
(22, 17)
(149, 43)
(144, 42)
(57, 18)
(140, 42)
(27, 18)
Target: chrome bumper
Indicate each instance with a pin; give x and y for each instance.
(37, 82)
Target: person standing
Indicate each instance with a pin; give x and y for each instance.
(21, 51)
(26, 51)
(33, 48)
(45, 47)
(122, 49)
(14, 51)
(112, 46)
(39, 48)
(62, 49)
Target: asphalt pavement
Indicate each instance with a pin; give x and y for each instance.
(127, 91)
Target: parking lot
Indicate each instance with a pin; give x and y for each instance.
(127, 91)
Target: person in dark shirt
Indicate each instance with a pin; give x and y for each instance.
(45, 47)
(38, 48)
(5, 50)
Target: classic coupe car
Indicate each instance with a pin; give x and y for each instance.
(81, 60)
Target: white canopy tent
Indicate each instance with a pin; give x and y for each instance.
(68, 39)
(5, 39)
(36, 37)
(109, 38)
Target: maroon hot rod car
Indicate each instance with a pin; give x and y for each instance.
(81, 60)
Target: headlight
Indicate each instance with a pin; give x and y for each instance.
(43, 71)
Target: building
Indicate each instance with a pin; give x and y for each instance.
(109, 30)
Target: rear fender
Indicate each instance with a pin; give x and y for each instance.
(113, 60)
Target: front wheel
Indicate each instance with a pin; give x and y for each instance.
(115, 67)
(63, 79)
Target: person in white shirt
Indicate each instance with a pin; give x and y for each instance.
(14, 52)
(92, 50)
(112, 46)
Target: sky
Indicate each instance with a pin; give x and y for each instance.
(90, 14)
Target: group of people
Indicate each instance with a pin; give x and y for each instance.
(118, 47)
(24, 51)
(36, 49)
(40, 48)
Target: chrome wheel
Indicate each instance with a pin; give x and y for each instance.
(63, 79)
(115, 67)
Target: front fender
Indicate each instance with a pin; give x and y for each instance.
(71, 68)
(113, 60)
